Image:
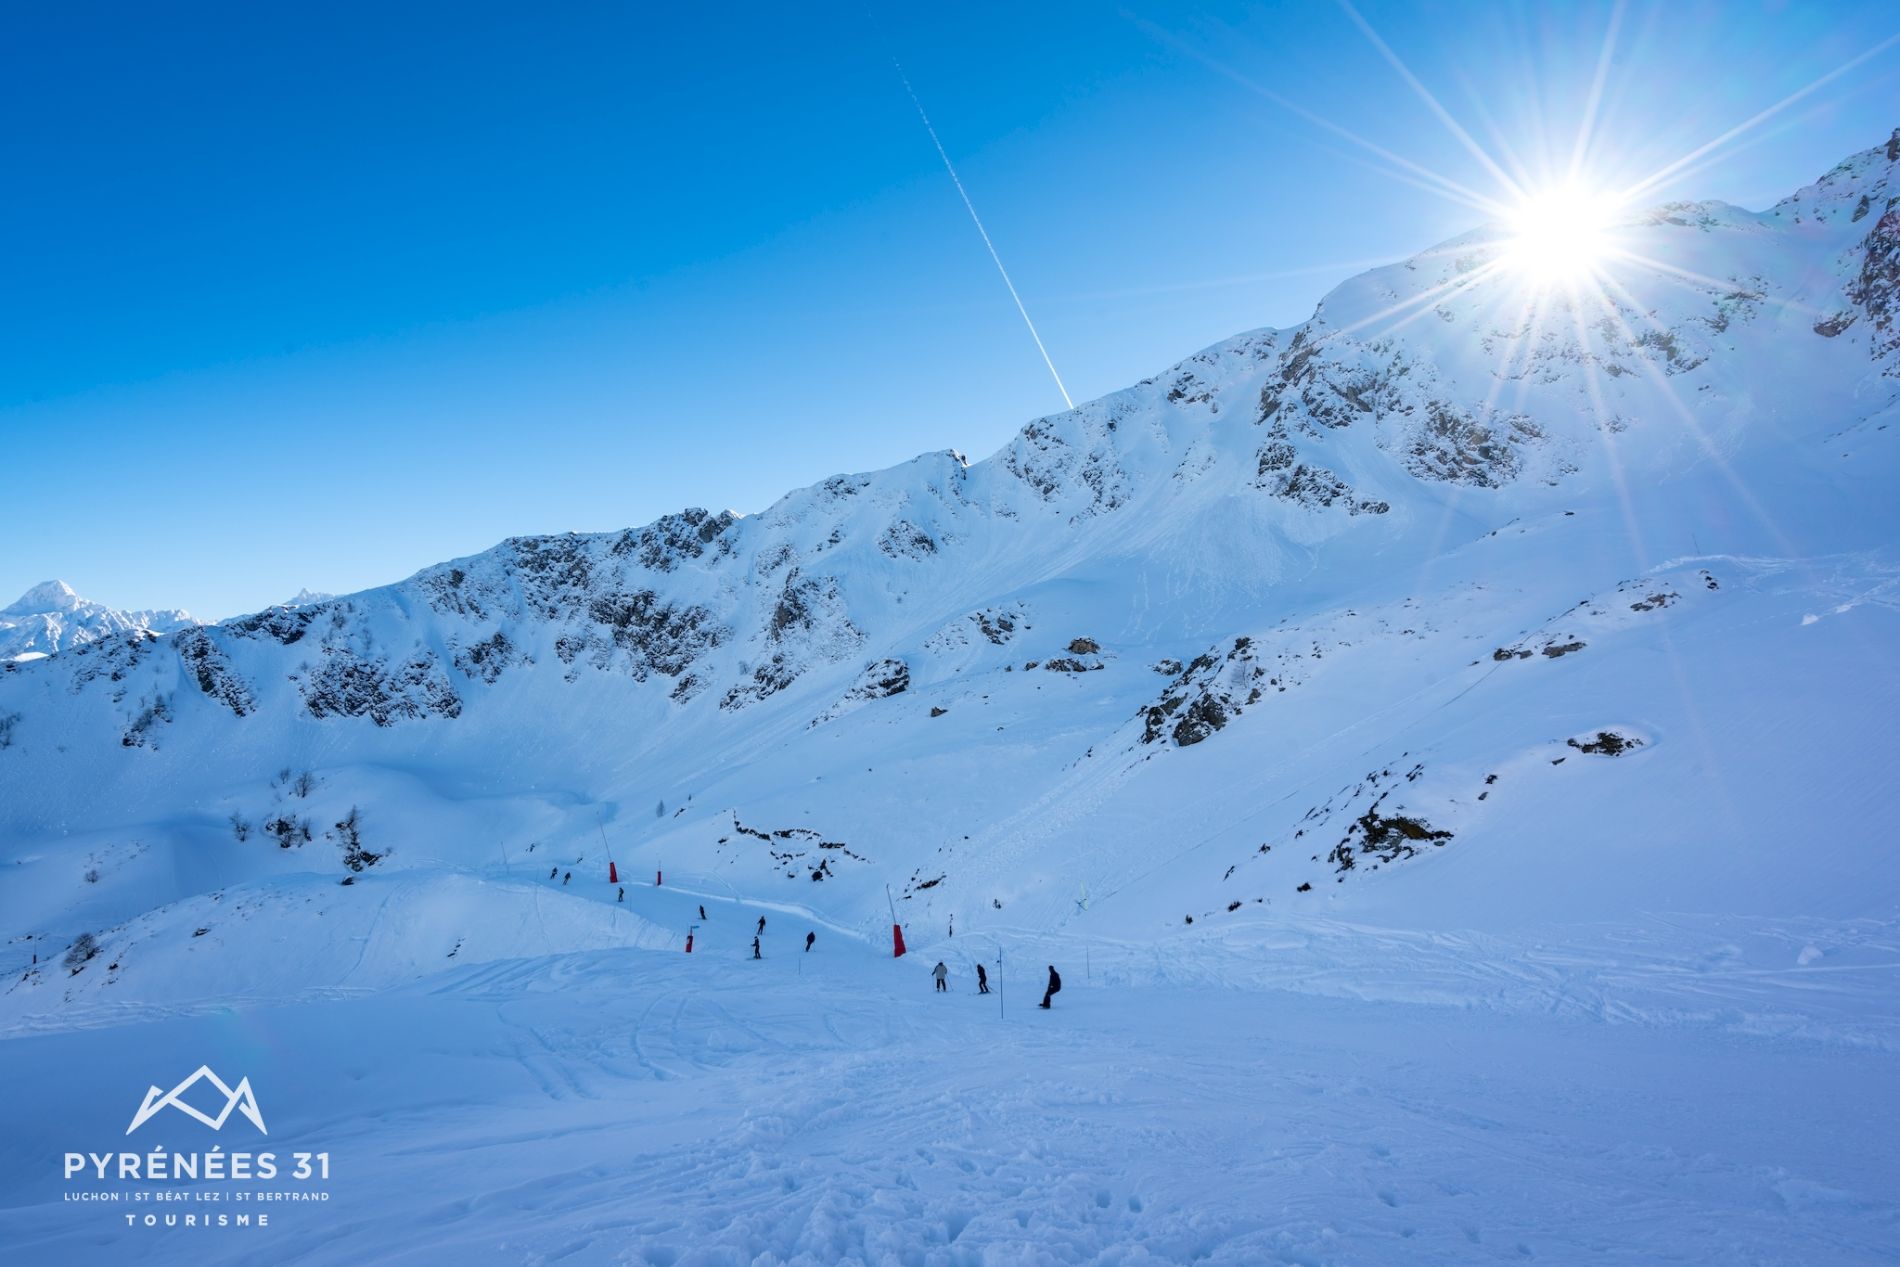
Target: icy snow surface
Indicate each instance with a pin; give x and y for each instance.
(1448, 749)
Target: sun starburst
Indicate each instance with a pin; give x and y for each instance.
(1560, 237)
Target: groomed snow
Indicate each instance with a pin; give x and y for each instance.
(1285, 1093)
(1447, 749)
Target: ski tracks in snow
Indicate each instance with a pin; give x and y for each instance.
(1321, 1094)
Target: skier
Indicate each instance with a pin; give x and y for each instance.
(623, 894)
(566, 878)
(809, 939)
(1055, 986)
(982, 980)
(553, 871)
(702, 910)
(755, 949)
(941, 973)
(761, 923)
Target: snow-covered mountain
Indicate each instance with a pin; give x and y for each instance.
(305, 597)
(1446, 746)
(1486, 605)
(50, 617)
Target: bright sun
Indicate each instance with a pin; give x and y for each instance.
(1559, 237)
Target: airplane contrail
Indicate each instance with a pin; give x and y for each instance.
(978, 221)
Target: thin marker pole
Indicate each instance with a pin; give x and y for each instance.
(602, 824)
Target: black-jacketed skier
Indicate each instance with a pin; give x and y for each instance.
(809, 939)
(1055, 986)
(623, 894)
(761, 923)
(941, 973)
(702, 912)
(982, 980)
(566, 878)
(553, 871)
(755, 949)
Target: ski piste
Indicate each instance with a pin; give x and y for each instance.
(1455, 735)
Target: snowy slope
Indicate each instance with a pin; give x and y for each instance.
(50, 616)
(1304, 577)
(1515, 664)
(614, 1106)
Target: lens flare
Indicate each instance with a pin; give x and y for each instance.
(1559, 237)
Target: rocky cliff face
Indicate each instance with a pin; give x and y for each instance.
(1405, 379)
(1246, 523)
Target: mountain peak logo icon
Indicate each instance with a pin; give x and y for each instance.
(239, 1097)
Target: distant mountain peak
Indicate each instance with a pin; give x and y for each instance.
(51, 617)
(47, 596)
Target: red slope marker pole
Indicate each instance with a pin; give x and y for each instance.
(897, 930)
(613, 871)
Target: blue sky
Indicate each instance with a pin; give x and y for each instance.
(315, 297)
